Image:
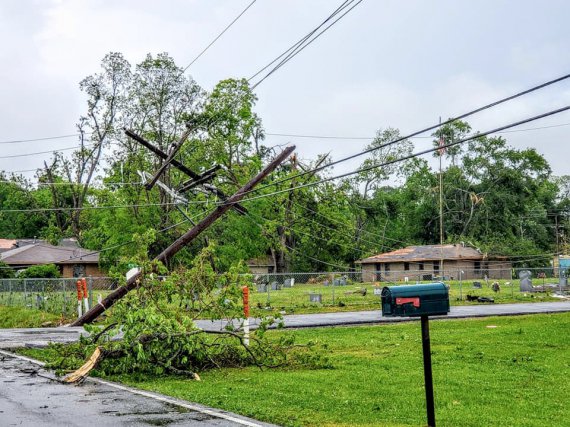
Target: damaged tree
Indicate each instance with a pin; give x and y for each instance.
(158, 334)
(185, 239)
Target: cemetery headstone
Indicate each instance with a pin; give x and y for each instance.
(526, 282)
(315, 298)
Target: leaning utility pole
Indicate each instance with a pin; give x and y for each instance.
(186, 238)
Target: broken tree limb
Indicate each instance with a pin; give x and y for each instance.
(182, 241)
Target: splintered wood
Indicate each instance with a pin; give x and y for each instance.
(80, 374)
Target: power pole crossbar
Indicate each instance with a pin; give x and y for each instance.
(212, 189)
(174, 148)
(186, 238)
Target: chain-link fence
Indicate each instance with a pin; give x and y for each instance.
(339, 278)
(58, 296)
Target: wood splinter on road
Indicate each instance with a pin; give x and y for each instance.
(81, 373)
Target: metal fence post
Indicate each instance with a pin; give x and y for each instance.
(25, 292)
(90, 284)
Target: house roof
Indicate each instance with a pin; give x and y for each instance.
(43, 253)
(7, 244)
(426, 253)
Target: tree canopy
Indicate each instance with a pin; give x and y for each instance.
(498, 198)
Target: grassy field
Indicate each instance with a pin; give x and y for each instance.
(295, 300)
(18, 317)
(507, 371)
(348, 298)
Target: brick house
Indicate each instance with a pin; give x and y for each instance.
(71, 261)
(423, 263)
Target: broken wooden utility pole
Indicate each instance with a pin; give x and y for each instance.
(174, 148)
(197, 179)
(186, 238)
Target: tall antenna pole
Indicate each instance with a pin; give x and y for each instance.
(441, 151)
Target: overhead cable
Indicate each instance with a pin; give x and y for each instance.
(400, 159)
(219, 35)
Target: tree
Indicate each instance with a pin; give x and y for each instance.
(159, 335)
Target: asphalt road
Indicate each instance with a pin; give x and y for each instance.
(39, 337)
(375, 316)
(29, 396)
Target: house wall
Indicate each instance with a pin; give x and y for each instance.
(90, 270)
(451, 271)
(259, 269)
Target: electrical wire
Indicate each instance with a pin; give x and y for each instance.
(18, 141)
(12, 156)
(403, 138)
(219, 35)
(62, 209)
(300, 41)
(249, 215)
(368, 138)
(417, 154)
(304, 42)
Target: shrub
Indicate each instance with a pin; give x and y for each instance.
(48, 271)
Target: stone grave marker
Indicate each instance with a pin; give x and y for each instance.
(526, 282)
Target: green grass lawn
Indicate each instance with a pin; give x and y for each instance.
(19, 317)
(502, 371)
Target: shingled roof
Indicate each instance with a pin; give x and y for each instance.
(426, 253)
(43, 253)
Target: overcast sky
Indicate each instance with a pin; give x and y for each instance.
(386, 64)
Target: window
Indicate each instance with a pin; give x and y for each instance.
(378, 268)
(477, 267)
(436, 267)
(387, 268)
(421, 266)
(406, 266)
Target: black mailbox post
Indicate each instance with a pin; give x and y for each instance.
(419, 300)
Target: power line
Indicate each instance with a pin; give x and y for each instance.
(12, 156)
(219, 35)
(18, 141)
(300, 41)
(438, 125)
(417, 154)
(303, 43)
(294, 249)
(367, 138)
(145, 205)
(296, 135)
(354, 228)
